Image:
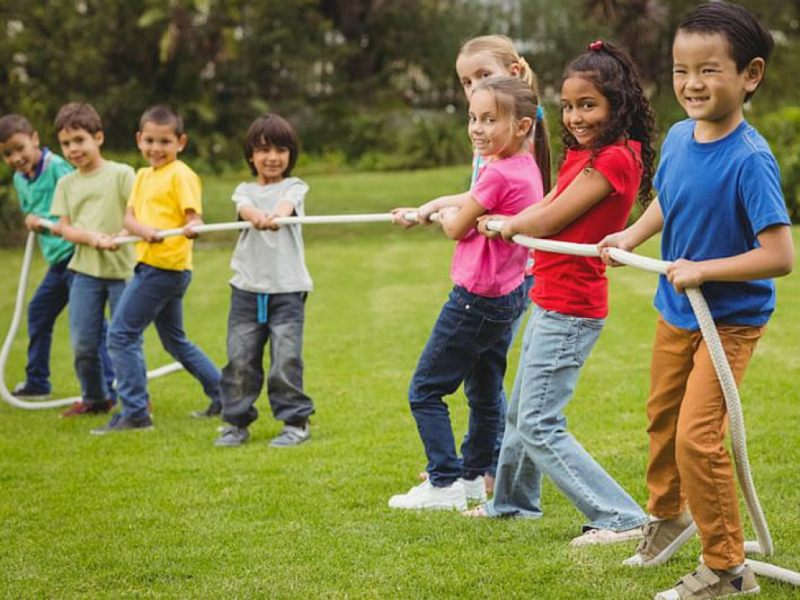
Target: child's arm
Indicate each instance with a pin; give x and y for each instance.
(457, 222)
(147, 233)
(646, 226)
(774, 258)
(262, 220)
(76, 235)
(32, 223)
(547, 217)
(425, 211)
(193, 219)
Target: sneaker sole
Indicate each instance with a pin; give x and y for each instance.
(430, 507)
(107, 431)
(755, 590)
(666, 553)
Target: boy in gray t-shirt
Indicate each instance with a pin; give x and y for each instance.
(268, 292)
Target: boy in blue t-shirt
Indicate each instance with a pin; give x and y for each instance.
(37, 170)
(724, 224)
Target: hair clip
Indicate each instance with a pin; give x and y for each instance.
(539, 114)
(598, 45)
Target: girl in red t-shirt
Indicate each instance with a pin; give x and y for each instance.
(608, 128)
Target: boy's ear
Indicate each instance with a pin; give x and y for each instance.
(35, 138)
(182, 142)
(754, 73)
(99, 137)
(138, 138)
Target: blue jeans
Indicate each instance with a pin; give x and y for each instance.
(47, 303)
(516, 327)
(554, 348)
(154, 295)
(468, 344)
(87, 332)
(254, 320)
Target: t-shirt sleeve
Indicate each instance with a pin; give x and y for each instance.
(189, 191)
(761, 194)
(240, 197)
(125, 181)
(490, 189)
(135, 190)
(59, 207)
(296, 194)
(618, 165)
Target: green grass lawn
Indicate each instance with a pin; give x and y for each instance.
(165, 514)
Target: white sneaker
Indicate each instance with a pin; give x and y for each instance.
(475, 489)
(592, 537)
(427, 496)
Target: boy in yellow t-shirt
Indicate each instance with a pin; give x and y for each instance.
(166, 195)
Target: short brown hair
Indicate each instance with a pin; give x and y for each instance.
(11, 125)
(271, 130)
(77, 115)
(161, 114)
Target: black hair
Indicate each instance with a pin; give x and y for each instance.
(271, 130)
(78, 116)
(612, 71)
(161, 114)
(747, 38)
(11, 125)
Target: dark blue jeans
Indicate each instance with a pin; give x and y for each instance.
(468, 344)
(47, 303)
(154, 295)
(254, 320)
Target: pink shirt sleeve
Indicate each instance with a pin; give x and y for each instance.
(490, 189)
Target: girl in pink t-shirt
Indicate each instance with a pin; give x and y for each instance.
(608, 128)
(470, 339)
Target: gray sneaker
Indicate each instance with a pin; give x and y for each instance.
(662, 538)
(120, 423)
(291, 436)
(232, 436)
(705, 583)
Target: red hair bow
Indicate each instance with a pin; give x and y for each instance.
(598, 45)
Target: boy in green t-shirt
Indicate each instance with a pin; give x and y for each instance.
(36, 171)
(91, 205)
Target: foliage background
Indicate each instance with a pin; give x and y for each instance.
(369, 84)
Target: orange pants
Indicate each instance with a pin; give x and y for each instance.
(688, 421)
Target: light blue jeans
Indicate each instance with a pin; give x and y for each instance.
(554, 348)
(88, 297)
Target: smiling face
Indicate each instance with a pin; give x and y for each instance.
(81, 148)
(584, 110)
(21, 152)
(158, 143)
(708, 85)
(495, 134)
(472, 68)
(270, 163)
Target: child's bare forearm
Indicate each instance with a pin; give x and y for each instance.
(646, 226)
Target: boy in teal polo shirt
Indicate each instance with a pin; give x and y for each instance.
(37, 170)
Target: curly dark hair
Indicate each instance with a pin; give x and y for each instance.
(612, 71)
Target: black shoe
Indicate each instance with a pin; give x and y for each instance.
(213, 410)
(26, 393)
(121, 423)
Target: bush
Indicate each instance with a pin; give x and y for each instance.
(782, 130)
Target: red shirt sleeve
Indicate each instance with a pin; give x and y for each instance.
(618, 164)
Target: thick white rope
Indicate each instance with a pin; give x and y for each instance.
(14, 327)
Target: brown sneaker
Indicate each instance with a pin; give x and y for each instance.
(86, 408)
(708, 583)
(662, 539)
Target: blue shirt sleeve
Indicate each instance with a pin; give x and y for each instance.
(761, 194)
